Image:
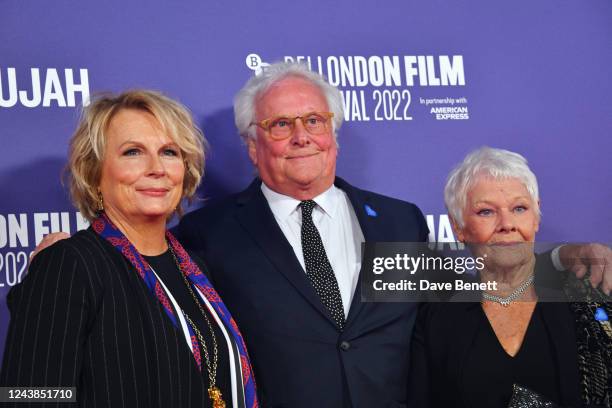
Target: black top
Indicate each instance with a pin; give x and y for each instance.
(167, 270)
(457, 361)
(83, 317)
(490, 371)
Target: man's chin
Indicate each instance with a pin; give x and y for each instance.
(306, 177)
(309, 183)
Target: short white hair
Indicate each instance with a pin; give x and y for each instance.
(486, 162)
(256, 86)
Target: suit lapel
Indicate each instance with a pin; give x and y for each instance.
(367, 216)
(255, 215)
(366, 212)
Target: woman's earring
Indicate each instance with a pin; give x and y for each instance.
(100, 202)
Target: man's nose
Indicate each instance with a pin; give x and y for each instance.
(300, 135)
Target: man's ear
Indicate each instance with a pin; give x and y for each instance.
(252, 148)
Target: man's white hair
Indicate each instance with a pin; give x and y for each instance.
(256, 86)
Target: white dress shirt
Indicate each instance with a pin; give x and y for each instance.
(338, 226)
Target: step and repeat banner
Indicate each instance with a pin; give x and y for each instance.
(424, 82)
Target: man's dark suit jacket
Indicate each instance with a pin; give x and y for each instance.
(300, 357)
(83, 317)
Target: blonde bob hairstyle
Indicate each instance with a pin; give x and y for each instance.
(88, 144)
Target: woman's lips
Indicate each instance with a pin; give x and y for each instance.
(153, 192)
(509, 243)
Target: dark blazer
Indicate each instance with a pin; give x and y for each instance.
(83, 317)
(300, 357)
(445, 332)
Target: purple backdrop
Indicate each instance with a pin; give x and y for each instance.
(424, 83)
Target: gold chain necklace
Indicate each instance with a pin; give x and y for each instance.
(214, 393)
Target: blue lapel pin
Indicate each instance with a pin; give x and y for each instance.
(601, 315)
(370, 211)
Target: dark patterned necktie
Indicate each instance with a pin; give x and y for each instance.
(318, 268)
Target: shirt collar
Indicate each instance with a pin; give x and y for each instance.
(283, 206)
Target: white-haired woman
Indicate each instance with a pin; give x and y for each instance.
(511, 347)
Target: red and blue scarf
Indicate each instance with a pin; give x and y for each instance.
(106, 229)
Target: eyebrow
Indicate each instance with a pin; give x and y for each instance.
(135, 142)
(130, 141)
(514, 199)
(287, 115)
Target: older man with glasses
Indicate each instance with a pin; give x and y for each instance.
(285, 254)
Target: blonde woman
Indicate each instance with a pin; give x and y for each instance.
(121, 311)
